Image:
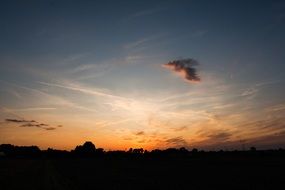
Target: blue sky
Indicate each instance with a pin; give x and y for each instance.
(95, 68)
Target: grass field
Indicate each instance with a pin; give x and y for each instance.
(141, 173)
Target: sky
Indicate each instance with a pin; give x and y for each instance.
(150, 74)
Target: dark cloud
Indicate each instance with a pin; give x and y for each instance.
(215, 135)
(43, 124)
(20, 121)
(185, 67)
(276, 140)
(50, 128)
(34, 125)
(139, 133)
(270, 132)
(31, 123)
(273, 124)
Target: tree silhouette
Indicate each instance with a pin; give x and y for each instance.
(87, 148)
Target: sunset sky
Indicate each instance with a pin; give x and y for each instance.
(150, 74)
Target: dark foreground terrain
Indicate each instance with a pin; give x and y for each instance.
(215, 171)
(88, 167)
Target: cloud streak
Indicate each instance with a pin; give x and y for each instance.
(183, 128)
(185, 68)
(177, 142)
(33, 109)
(84, 90)
(140, 133)
(30, 123)
(20, 121)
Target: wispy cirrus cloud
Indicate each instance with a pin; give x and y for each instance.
(103, 124)
(146, 41)
(176, 142)
(33, 109)
(51, 101)
(144, 13)
(221, 136)
(183, 128)
(250, 92)
(83, 90)
(116, 102)
(276, 108)
(137, 43)
(184, 67)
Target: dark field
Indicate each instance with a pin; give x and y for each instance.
(142, 172)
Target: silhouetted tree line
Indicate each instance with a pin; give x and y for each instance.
(88, 149)
(11, 150)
